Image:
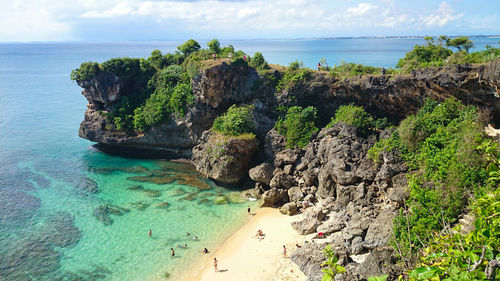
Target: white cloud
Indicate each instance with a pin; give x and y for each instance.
(442, 16)
(360, 9)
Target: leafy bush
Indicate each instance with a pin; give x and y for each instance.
(189, 47)
(214, 46)
(298, 126)
(357, 116)
(258, 61)
(181, 98)
(236, 121)
(86, 71)
(154, 111)
(295, 65)
(431, 54)
(240, 62)
(121, 66)
(331, 266)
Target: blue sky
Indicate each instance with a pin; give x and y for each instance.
(110, 20)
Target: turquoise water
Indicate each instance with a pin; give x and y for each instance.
(70, 212)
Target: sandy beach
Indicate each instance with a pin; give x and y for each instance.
(245, 257)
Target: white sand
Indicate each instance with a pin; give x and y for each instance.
(244, 257)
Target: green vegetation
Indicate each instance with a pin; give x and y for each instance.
(294, 74)
(346, 70)
(433, 54)
(86, 71)
(258, 62)
(214, 46)
(331, 266)
(359, 118)
(189, 47)
(458, 256)
(236, 121)
(441, 144)
(460, 43)
(298, 126)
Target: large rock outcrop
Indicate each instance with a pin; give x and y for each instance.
(223, 158)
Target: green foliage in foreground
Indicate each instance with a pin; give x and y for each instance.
(439, 144)
(331, 266)
(298, 126)
(189, 47)
(357, 117)
(236, 121)
(458, 256)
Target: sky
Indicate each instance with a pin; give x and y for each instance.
(124, 20)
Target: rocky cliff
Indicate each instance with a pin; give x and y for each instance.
(342, 193)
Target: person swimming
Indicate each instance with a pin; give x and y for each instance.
(195, 238)
(204, 251)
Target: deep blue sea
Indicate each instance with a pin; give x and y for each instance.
(70, 212)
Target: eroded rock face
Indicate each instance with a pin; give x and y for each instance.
(262, 173)
(222, 158)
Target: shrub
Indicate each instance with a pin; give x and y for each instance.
(240, 62)
(85, 72)
(236, 121)
(189, 47)
(422, 56)
(258, 61)
(154, 111)
(121, 66)
(181, 98)
(298, 126)
(353, 115)
(295, 65)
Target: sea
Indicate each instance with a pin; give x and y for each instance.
(71, 212)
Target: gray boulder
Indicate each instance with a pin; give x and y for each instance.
(273, 196)
(289, 209)
(295, 194)
(281, 180)
(262, 173)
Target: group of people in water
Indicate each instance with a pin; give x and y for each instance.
(182, 246)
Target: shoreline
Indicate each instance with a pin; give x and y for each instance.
(244, 255)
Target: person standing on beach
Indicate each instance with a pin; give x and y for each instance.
(150, 233)
(248, 209)
(173, 252)
(215, 265)
(284, 251)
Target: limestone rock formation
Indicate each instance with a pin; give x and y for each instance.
(223, 158)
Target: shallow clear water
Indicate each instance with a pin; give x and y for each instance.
(70, 212)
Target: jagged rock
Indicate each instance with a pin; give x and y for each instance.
(306, 226)
(367, 169)
(284, 157)
(309, 258)
(288, 169)
(295, 194)
(378, 262)
(225, 159)
(262, 173)
(380, 230)
(273, 196)
(289, 209)
(281, 180)
(335, 222)
(252, 193)
(399, 194)
(273, 142)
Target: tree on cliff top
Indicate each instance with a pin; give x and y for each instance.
(189, 47)
(461, 43)
(214, 46)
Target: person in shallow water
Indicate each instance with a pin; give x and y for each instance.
(150, 233)
(173, 252)
(204, 251)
